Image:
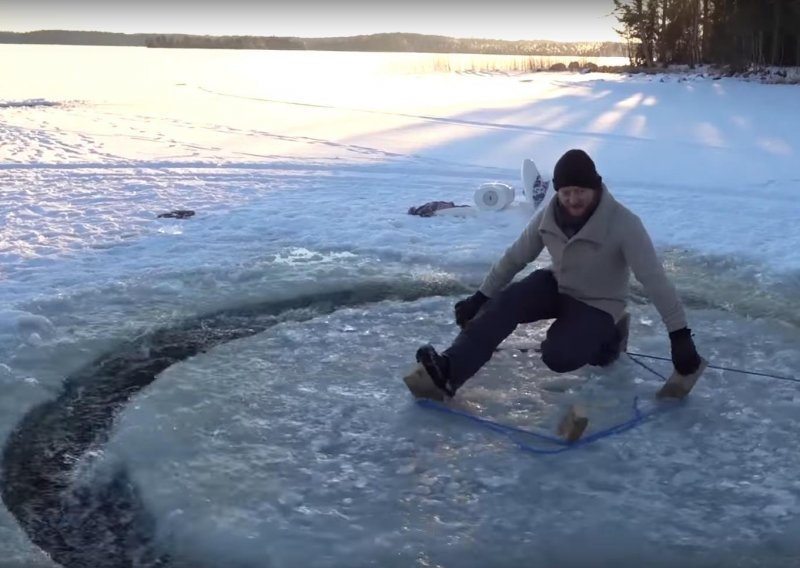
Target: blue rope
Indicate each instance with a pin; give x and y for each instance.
(526, 348)
(719, 368)
(633, 358)
(638, 418)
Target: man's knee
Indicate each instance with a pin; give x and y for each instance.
(559, 357)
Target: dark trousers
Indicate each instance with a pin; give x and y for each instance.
(580, 335)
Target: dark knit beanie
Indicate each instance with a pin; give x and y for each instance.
(575, 167)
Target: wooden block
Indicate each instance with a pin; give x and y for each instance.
(679, 386)
(422, 386)
(574, 423)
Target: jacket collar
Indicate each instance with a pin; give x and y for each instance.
(595, 229)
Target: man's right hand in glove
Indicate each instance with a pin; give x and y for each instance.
(467, 308)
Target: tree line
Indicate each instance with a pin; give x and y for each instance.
(735, 33)
(388, 42)
(443, 44)
(394, 42)
(222, 42)
(68, 37)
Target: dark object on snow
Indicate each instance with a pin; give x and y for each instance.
(178, 214)
(432, 207)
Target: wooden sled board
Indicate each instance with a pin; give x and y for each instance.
(679, 386)
(422, 386)
(419, 383)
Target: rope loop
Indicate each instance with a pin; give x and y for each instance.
(560, 445)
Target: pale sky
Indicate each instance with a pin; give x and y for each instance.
(560, 20)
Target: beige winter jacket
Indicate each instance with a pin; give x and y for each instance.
(595, 265)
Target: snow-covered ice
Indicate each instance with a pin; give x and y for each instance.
(278, 432)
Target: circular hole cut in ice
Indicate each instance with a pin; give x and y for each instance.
(301, 446)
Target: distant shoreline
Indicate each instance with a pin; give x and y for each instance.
(383, 42)
(579, 54)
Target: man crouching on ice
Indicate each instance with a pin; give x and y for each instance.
(594, 242)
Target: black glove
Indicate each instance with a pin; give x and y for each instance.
(684, 353)
(467, 308)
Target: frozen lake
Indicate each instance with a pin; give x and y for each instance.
(224, 390)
